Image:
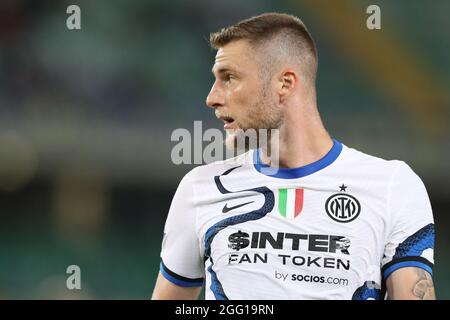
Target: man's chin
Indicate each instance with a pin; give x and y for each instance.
(236, 142)
(231, 140)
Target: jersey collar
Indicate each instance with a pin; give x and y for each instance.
(293, 173)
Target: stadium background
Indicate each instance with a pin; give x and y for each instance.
(86, 118)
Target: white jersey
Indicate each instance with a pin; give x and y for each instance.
(334, 229)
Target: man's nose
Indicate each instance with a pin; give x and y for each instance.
(215, 97)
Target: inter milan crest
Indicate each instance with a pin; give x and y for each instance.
(342, 207)
(290, 202)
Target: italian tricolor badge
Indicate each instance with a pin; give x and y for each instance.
(290, 202)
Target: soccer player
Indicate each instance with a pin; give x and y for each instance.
(330, 223)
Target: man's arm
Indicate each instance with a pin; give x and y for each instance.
(408, 257)
(166, 290)
(182, 269)
(410, 283)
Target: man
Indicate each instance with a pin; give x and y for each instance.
(330, 223)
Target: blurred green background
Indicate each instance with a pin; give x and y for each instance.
(86, 118)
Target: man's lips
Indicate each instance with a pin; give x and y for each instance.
(229, 122)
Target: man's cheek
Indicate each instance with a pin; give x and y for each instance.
(241, 95)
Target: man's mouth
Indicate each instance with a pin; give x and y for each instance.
(229, 122)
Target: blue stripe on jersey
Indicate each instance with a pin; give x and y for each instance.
(404, 264)
(293, 173)
(216, 286)
(369, 290)
(249, 216)
(417, 243)
(179, 280)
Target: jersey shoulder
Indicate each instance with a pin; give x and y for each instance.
(219, 167)
(358, 160)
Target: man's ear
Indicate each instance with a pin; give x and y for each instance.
(287, 81)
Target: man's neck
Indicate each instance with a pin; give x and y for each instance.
(300, 145)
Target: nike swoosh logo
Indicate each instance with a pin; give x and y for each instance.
(227, 209)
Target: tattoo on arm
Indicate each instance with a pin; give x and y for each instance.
(424, 288)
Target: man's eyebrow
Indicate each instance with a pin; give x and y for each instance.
(222, 70)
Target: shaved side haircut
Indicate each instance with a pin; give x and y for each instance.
(276, 39)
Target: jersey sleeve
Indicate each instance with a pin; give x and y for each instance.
(181, 261)
(410, 242)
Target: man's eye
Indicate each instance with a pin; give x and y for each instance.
(229, 77)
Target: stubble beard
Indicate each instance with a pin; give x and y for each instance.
(262, 115)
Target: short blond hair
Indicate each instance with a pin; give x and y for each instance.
(288, 31)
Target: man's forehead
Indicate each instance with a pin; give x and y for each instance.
(232, 55)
